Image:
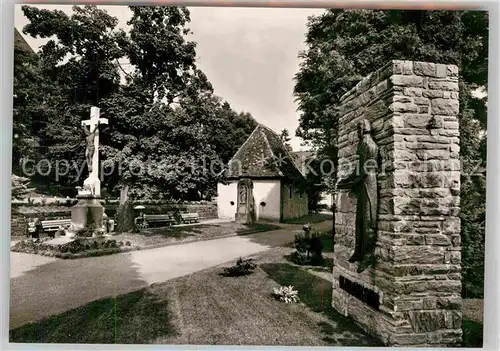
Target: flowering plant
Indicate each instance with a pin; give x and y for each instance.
(286, 294)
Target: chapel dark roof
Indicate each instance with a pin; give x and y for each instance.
(263, 155)
(21, 43)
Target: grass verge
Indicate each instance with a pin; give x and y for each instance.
(135, 318)
(310, 218)
(257, 228)
(326, 263)
(316, 293)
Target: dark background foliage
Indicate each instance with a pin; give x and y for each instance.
(161, 113)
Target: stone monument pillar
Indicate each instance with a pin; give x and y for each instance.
(89, 212)
(245, 212)
(397, 264)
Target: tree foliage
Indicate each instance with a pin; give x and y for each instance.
(77, 71)
(163, 115)
(20, 186)
(285, 139)
(345, 45)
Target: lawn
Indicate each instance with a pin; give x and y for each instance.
(182, 234)
(472, 325)
(207, 308)
(134, 318)
(311, 218)
(316, 293)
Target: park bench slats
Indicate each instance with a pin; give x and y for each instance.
(190, 217)
(53, 225)
(169, 219)
(158, 217)
(165, 219)
(161, 218)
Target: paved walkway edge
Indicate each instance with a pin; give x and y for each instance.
(295, 227)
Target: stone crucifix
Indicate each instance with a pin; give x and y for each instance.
(91, 126)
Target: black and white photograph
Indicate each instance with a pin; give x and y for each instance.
(258, 176)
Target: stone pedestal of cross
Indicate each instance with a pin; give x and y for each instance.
(93, 184)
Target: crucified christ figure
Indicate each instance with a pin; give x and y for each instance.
(89, 151)
(363, 181)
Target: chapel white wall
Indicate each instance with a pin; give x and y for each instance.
(268, 191)
(225, 194)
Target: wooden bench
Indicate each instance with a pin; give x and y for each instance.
(190, 218)
(55, 224)
(166, 219)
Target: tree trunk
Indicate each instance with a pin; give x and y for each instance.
(125, 212)
(124, 194)
(334, 209)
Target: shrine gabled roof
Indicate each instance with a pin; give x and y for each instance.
(21, 43)
(263, 155)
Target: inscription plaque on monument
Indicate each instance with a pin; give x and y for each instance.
(368, 296)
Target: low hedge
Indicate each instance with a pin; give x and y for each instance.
(78, 248)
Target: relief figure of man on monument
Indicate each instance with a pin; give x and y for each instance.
(363, 182)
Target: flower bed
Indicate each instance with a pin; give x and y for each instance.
(80, 247)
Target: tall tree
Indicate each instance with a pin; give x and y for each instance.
(78, 71)
(285, 138)
(345, 45)
(164, 78)
(163, 116)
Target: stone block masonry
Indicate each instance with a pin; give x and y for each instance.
(412, 108)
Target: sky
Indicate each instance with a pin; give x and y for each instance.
(250, 55)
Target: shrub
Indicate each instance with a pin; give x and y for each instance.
(242, 267)
(309, 248)
(315, 246)
(301, 242)
(84, 232)
(299, 258)
(177, 215)
(287, 294)
(141, 226)
(74, 249)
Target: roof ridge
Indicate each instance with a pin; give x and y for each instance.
(271, 150)
(245, 142)
(24, 45)
(288, 153)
